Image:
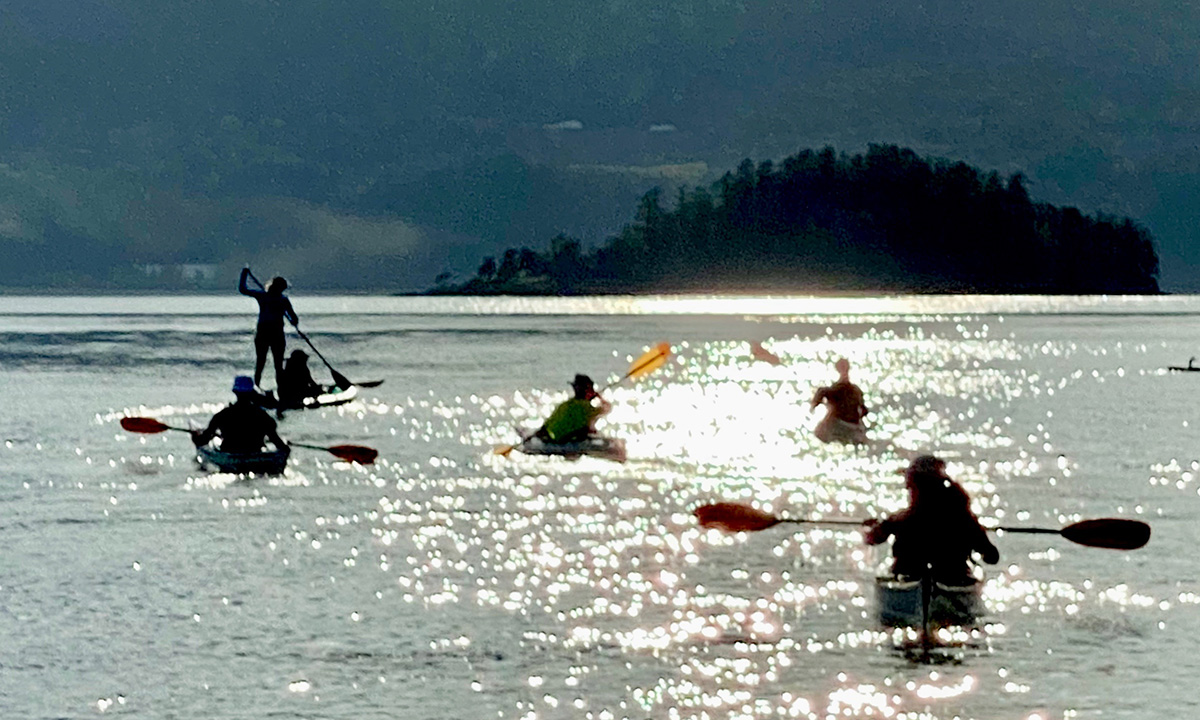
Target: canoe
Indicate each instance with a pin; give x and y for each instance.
(262, 463)
(831, 429)
(333, 395)
(595, 446)
(900, 600)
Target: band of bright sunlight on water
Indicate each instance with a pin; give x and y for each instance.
(476, 585)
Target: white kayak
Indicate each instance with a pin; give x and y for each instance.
(262, 463)
(900, 601)
(595, 446)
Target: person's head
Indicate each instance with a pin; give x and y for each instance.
(243, 386)
(584, 388)
(925, 476)
(843, 367)
(277, 285)
(298, 357)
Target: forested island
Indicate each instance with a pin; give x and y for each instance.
(819, 221)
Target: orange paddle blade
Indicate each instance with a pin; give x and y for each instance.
(650, 361)
(148, 426)
(734, 517)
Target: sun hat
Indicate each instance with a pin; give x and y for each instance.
(243, 384)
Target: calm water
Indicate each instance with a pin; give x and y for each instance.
(448, 582)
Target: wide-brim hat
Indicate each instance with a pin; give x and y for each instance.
(243, 384)
(584, 382)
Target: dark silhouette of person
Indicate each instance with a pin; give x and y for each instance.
(845, 409)
(575, 419)
(936, 535)
(243, 426)
(273, 307)
(296, 383)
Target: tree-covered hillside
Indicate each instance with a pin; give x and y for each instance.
(883, 220)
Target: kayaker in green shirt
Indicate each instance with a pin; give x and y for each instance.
(575, 419)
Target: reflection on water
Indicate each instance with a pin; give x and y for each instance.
(544, 587)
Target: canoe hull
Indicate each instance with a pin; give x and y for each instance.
(900, 600)
(595, 446)
(263, 463)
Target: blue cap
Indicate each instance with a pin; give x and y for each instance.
(243, 384)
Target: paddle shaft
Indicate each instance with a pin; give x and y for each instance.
(1112, 533)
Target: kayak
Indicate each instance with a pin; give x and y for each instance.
(595, 446)
(262, 463)
(900, 601)
(831, 429)
(332, 395)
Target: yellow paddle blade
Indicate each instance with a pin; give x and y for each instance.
(504, 450)
(652, 360)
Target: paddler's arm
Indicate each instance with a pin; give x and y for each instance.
(817, 397)
(273, 436)
(290, 314)
(205, 436)
(983, 545)
(245, 289)
(876, 532)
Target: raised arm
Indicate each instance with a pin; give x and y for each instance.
(245, 289)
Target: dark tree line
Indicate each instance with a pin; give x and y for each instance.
(883, 220)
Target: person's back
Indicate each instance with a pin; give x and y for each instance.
(937, 533)
(845, 401)
(243, 427)
(296, 382)
(273, 305)
(573, 420)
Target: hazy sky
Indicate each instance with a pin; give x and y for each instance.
(336, 104)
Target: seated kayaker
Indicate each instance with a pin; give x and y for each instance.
(575, 419)
(845, 409)
(296, 382)
(937, 533)
(243, 427)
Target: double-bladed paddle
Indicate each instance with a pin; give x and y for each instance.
(350, 453)
(647, 363)
(338, 379)
(1113, 533)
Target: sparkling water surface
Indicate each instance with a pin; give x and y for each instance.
(447, 581)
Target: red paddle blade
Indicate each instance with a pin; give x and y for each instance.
(1114, 533)
(734, 517)
(145, 425)
(355, 453)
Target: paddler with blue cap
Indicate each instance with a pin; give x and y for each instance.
(244, 427)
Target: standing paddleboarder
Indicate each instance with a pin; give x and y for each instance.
(273, 307)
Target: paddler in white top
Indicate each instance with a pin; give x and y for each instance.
(845, 409)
